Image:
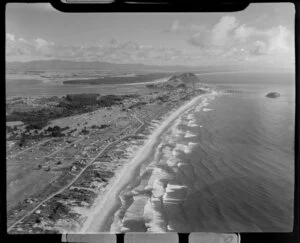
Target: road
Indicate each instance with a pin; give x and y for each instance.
(75, 178)
(32, 147)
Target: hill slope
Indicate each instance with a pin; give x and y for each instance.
(184, 80)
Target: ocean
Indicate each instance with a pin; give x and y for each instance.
(224, 165)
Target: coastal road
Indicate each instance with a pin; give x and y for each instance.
(75, 178)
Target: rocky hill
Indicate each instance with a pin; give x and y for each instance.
(273, 95)
(184, 80)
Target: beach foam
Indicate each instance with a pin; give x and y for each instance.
(207, 109)
(172, 161)
(163, 169)
(188, 134)
(174, 193)
(188, 149)
(192, 124)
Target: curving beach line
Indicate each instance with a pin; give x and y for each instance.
(156, 81)
(102, 212)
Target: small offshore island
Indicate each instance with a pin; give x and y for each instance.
(63, 153)
(273, 95)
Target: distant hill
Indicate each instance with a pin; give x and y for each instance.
(66, 64)
(186, 78)
(183, 80)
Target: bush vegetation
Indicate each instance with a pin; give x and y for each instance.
(71, 104)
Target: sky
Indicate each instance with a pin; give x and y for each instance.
(261, 35)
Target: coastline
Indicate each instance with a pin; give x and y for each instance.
(69, 200)
(103, 212)
(146, 200)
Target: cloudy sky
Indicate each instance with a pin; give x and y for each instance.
(261, 35)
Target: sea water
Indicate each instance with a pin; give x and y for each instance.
(225, 165)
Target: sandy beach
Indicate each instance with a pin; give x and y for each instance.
(102, 213)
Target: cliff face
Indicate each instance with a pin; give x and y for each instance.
(183, 80)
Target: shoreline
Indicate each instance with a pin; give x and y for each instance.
(97, 222)
(155, 81)
(141, 119)
(123, 189)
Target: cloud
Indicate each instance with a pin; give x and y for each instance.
(41, 43)
(272, 41)
(279, 41)
(10, 37)
(228, 33)
(112, 51)
(234, 43)
(19, 47)
(229, 41)
(176, 26)
(259, 48)
(243, 32)
(218, 35)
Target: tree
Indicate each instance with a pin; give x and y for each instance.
(22, 140)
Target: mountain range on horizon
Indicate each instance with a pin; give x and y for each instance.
(67, 64)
